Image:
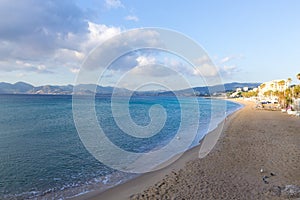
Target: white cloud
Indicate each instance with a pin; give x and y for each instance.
(23, 66)
(229, 69)
(113, 4)
(156, 65)
(152, 70)
(206, 70)
(70, 54)
(41, 67)
(97, 34)
(179, 66)
(74, 70)
(225, 59)
(230, 58)
(117, 47)
(40, 27)
(148, 66)
(39, 36)
(226, 70)
(205, 67)
(143, 60)
(202, 60)
(131, 18)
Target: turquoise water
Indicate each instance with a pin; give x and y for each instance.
(42, 156)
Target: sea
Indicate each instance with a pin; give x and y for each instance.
(42, 155)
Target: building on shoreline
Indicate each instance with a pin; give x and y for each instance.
(267, 89)
(274, 85)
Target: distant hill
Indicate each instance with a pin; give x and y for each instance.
(17, 88)
(209, 90)
(84, 89)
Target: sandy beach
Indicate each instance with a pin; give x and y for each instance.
(256, 157)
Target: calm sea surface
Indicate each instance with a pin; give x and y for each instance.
(42, 156)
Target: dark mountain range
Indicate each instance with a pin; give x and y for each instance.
(85, 89)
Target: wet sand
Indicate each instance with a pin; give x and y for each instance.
(251, 140)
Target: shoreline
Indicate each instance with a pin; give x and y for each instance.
(132, 186)
(256, 157)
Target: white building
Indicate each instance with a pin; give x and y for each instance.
(275, 85)
(245, 89)
(238, 89)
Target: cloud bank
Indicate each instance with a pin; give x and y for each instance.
(43, 37)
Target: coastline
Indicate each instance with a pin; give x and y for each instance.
(256, 157)
(251, 140)
(133, 186)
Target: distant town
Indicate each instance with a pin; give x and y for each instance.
(275, 94)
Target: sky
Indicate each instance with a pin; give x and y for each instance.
(47, 42)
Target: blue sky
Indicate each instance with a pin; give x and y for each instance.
(45, 42)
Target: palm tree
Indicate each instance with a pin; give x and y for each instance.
(297, 91)
(281, 84)
(268, 93)
(262, 86)
(281, 98)
(289, 80)
(288, 96)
